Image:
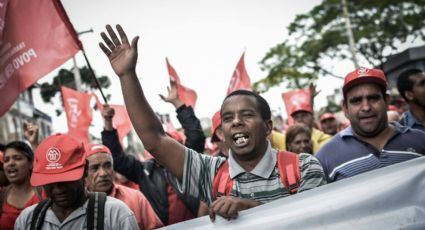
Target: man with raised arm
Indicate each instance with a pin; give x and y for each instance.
(246, 123)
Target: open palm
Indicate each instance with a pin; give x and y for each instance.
(120, 53)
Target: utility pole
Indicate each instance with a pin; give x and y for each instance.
(75, 70)
(349, 33)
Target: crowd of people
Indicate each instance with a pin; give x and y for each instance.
(63, 183)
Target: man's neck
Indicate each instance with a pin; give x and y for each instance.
(249, 163)
(418, 112)
(62, 213)
(381, 139)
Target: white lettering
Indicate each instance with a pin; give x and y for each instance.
(74, 112)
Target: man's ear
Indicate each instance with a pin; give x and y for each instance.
(408, 95)
(269, 127)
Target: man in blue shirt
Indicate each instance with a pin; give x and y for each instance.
(371, 142)
(411, 86)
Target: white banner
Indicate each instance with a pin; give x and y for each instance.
(388, 198)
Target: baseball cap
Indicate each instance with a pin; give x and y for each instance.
(97, 148)
(364, 75)
(59, 158)
(301, 107)
(326, 116)
(216, 122)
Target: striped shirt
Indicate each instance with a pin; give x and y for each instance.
(262, 184)
(346, 156)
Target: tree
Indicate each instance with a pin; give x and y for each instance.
(379, 27)
(66, 78)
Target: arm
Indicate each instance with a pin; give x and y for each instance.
(123, 58)
(195, 138)
(31, 134)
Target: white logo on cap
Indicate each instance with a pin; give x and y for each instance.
(362, 70)
(53, 155)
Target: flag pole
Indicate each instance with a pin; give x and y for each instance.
(94, 77)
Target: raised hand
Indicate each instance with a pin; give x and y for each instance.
(31, 133)
(108, 114)
(121, 54)
(173, 95)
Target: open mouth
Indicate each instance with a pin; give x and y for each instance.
(240, 139)
(12, 172)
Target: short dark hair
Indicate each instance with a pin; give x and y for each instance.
(21, 147)
(404, 83)
(294, 130)
(383, 92)
(263, 106)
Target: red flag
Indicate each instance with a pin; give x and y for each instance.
(78, 113)
(37, 38)
(188, 96)
(240, 78)
(121, 120)
(296, 100)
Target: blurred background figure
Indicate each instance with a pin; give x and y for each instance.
(298, 139)
(3, 180)
(328, 123)
(217, 136)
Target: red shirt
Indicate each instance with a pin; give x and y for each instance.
(11, 213)
(137, 202)
(177, 211)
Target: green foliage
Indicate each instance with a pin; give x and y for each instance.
(379, 27)
(66, 78)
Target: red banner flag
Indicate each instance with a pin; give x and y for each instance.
(78, 113)
(240, 78)
(121, 120)
(296, 100)
(37, 38)
(188, 96)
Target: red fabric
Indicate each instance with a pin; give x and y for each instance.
(137, 202)
(59, 158)
(240, 78)
(37, 38)
(364, 75)
(177, 210)
(92, 149)
(11, 213)
(78, 113)
(296, 100)
(187, 95)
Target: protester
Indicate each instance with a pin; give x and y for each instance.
(303, 114)
(18, 165)
(100, 178)
(3, 179)
(60, 167)
(370, 142)
(217, 136)
(155, 181)
(298, 139)
(328, 124)
(411, 86)
(246, 123)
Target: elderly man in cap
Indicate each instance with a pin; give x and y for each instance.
(60, 167)
(371, 142)
(328, 123)
(101, 179)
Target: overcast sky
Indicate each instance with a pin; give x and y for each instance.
(202, 39)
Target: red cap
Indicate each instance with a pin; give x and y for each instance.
(97, 148)
(216, 122)
(364, 75)
(1, 157)
(59, 158)
(326, 116)
(301, 107)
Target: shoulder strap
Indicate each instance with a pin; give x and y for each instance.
(289, 170)
(222, 184)
(3, 198)
(39, 213)
(96, 211)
